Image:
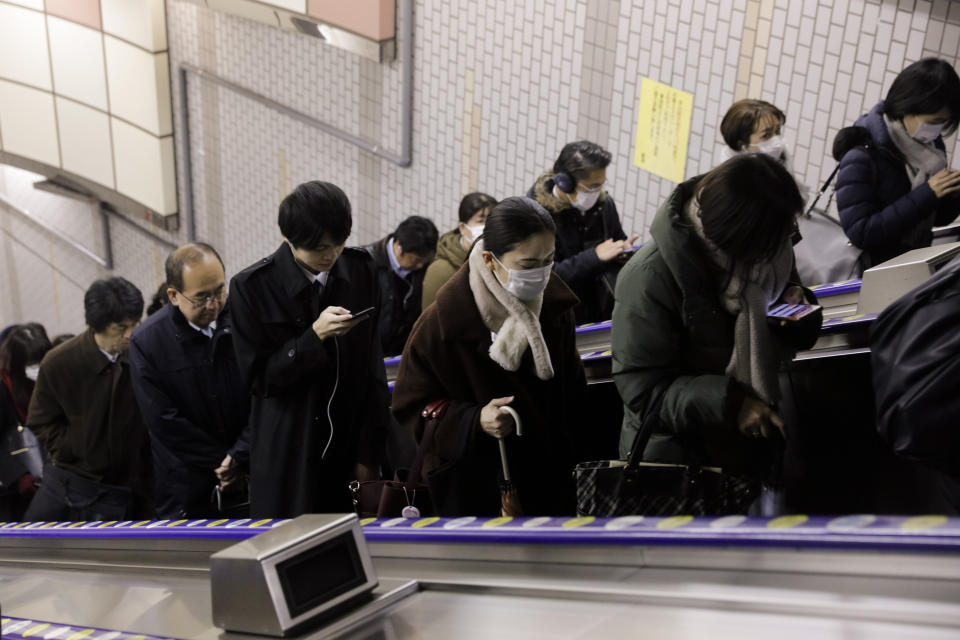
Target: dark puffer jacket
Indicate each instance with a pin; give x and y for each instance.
(576, 261)
(671, 332)
(881, 213)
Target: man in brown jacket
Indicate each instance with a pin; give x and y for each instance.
(85, 415)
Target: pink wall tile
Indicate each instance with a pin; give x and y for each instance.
(85, 12)
(371, 18)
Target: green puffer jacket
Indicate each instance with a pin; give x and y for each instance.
(670, 330)
(450, 257)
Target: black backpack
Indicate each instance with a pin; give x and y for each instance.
(915, 352)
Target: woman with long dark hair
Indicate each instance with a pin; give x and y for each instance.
(20, 356)
(500, 334)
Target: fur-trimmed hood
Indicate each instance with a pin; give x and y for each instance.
(543, 193)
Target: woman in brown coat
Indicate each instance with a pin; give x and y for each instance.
(500, 333)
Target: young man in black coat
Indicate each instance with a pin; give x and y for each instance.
(189, 389)
(320, 405)
(402, 259)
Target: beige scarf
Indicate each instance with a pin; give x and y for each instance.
(515, 322)
(756, 357)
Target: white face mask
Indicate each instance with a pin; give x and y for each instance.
(525, 284)
(927, 133)
(774, 147)
(475, 230)
(32, 371)
(586, 199)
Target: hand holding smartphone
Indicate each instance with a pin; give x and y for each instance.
(793, 312)
(362, 314)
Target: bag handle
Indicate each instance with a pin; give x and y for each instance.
(649, 423)
(431, 415)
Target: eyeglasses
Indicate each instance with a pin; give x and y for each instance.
(216, 296)
(592, 188)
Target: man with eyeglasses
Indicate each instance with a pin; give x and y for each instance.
(84, 414)
(591, 245)
(189, 388)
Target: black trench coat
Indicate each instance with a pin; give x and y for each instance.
(293, 375)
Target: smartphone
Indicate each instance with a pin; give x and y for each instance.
(633, 249)
(792, 311)
(365, 313)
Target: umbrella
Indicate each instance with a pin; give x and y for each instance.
(509, 500)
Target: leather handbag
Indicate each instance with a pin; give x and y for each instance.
(407, 495)
(608, 488)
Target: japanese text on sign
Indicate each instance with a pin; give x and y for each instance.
(663, 129)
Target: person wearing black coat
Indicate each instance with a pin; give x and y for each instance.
(319, 411)
(189, 389)
(591, 244)
(402, 259)
(84, 414)
(894, 190)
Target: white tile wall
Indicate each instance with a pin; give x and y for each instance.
(534, 69)
(142, 22)
(143, 166)
(77, 55)
(139, 86)
(28, 124)
(85, 145)
(23, 46)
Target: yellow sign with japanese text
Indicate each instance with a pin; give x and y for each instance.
(663, 129)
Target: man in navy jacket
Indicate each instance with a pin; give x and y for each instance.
(189, 389)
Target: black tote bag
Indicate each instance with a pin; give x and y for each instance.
(609, 488)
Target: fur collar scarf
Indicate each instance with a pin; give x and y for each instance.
(516, 323)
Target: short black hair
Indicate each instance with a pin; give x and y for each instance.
(158, 299)
(740, 121)
(512, 221)
(313, 210)
(580, 158)
(111, 300)
(180, 257)
(474, 202)
(925, 87)
(416, 235)
(749, 206)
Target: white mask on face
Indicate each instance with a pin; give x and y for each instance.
(476, 230)
(927, 133)
(773, 147)
(32, 371)
(586, 199)
(525, 284)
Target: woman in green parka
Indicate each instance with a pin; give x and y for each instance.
(454, 246)
(690, 320)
